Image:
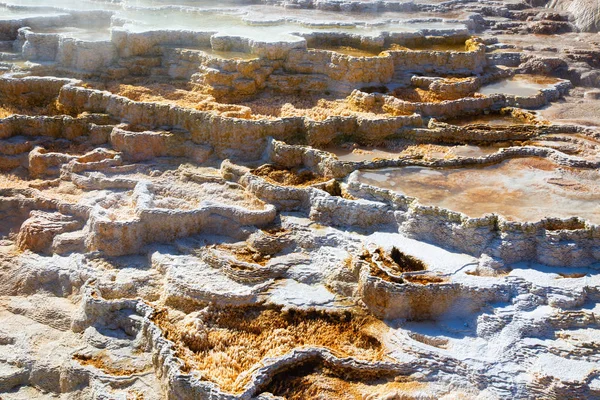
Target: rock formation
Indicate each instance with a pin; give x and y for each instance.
(299, 199)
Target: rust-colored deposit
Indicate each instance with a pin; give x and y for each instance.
(288, 177)
(108, 366)
(223, 343)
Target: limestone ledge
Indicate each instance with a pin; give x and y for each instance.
(444, 132)
(95, 228)
(31, 91)
(193, 282)
(139, 146)
(9, 28)
(22, 139)
(179, 54)
(551, 241)
(326, 164)
(456, 108)
(164, 225)
(471, 61)
(91, 126)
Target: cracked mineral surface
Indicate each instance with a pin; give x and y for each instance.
(299, 199)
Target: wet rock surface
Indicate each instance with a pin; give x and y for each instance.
(299, 199)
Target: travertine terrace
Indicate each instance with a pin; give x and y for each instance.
(302, 199)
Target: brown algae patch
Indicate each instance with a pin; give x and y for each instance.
(356, 153)
(488, 120)
(395, 260)
(102, 363)
(184, 95)
(315, 381)
(5, 112)
(350, 51)
(424, 279)
(388, 266)
(405, 262)
(315, 107)
(223, 343)
(417, 95)
(460, 47)
(160, 93)
(246, 254)
(574, 275)
(51, 109)
(288, 177)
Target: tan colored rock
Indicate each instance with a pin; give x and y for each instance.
(38, 232)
